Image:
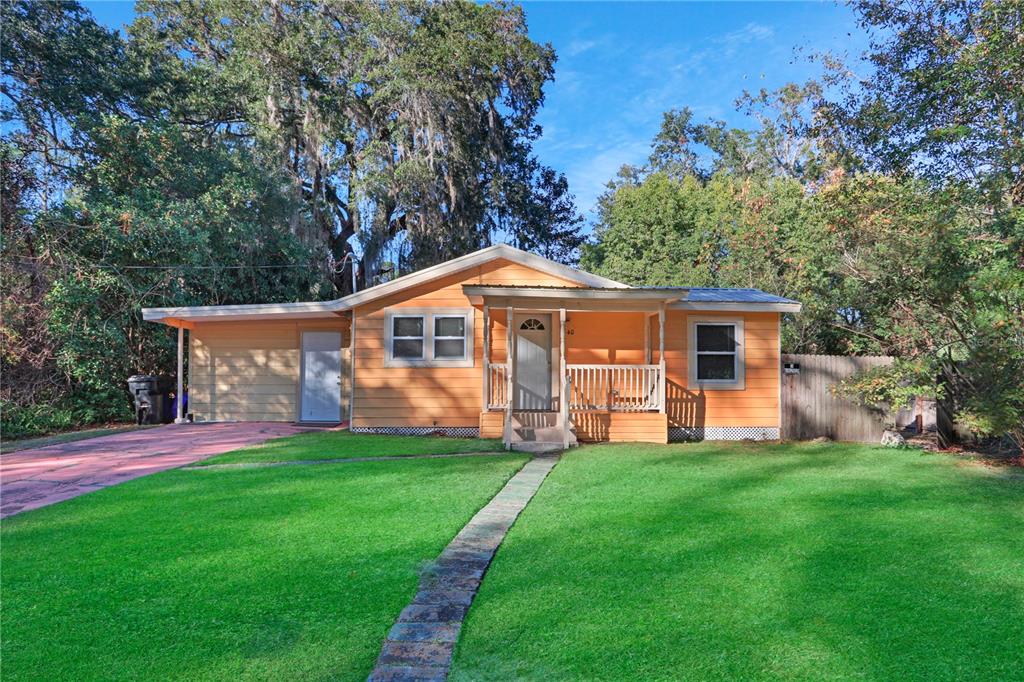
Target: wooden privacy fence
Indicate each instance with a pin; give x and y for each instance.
(810, 410)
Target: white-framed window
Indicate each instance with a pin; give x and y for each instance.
(449, 336)
(428, 337)
(716, 358)
(407, 337)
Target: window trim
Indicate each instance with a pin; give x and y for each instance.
(737, 384)
(428, 359)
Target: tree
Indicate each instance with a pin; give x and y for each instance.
(234, 152)
(648, 233)
(408, 121)
(942, 94)
(920, 281)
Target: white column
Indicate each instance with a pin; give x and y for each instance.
(563, 392)
(352, 364)
(485, 391)
(180, 418)
(509, 370)
(661, 358)
(647, 338)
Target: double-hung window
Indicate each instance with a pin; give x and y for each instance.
(440, 337)
(407, 337)
(716, 359)
(449, 336)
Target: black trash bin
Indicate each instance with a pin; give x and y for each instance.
(143, 390)
(151, 398)
(165, 403)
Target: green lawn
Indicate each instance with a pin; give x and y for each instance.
(709, 561)
(284, 573)
(340, 444)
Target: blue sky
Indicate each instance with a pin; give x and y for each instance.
(622, 64)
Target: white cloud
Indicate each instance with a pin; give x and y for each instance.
(578, 47)
(751, 33)
(705, 74)
(590, 173)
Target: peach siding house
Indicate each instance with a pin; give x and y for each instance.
(499, 343)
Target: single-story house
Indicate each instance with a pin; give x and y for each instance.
(497, 343)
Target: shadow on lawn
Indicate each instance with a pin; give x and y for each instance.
(245, 570)
(819, 563)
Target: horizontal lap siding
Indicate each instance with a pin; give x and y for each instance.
(621, 427)
(249, 371)
(605, 338)
(431, 396)
(492, 424)
(756, 405)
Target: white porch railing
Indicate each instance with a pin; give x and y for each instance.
(617, 388)
(497, 385)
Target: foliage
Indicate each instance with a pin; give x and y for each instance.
(650, 232)
(406, 125)
(895, 384)
(943, 94)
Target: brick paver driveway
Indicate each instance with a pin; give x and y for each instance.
(42, 476)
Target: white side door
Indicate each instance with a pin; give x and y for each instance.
(321, 377)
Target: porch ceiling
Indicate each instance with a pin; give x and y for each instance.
(573, 298)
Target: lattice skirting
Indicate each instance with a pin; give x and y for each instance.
(676, 434)
(450, 431)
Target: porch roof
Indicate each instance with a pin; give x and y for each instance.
(633, 298)
(573, 298)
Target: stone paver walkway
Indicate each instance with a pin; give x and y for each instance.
(42, 476)
(420, 644)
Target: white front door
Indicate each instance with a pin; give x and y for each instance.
(532, 362)
(321, 377)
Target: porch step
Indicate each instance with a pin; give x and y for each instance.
(536, 448)
(538, 429)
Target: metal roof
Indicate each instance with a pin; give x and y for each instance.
(722, 295)
(698, 294)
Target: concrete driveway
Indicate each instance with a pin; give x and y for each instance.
(42, 476)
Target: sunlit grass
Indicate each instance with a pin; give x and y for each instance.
(283, 573)
(342, 444)
(710, 561)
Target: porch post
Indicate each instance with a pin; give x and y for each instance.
(180, 418)
(509, 370)
(661, 358)
(563, 392)
(485, 398)
(647, 338)
(351, 367)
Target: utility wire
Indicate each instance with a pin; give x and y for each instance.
(103, 266)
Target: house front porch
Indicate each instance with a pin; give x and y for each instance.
(565, 365)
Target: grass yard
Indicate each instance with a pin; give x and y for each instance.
(281, 573)
(340, 444)
(711, 561)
